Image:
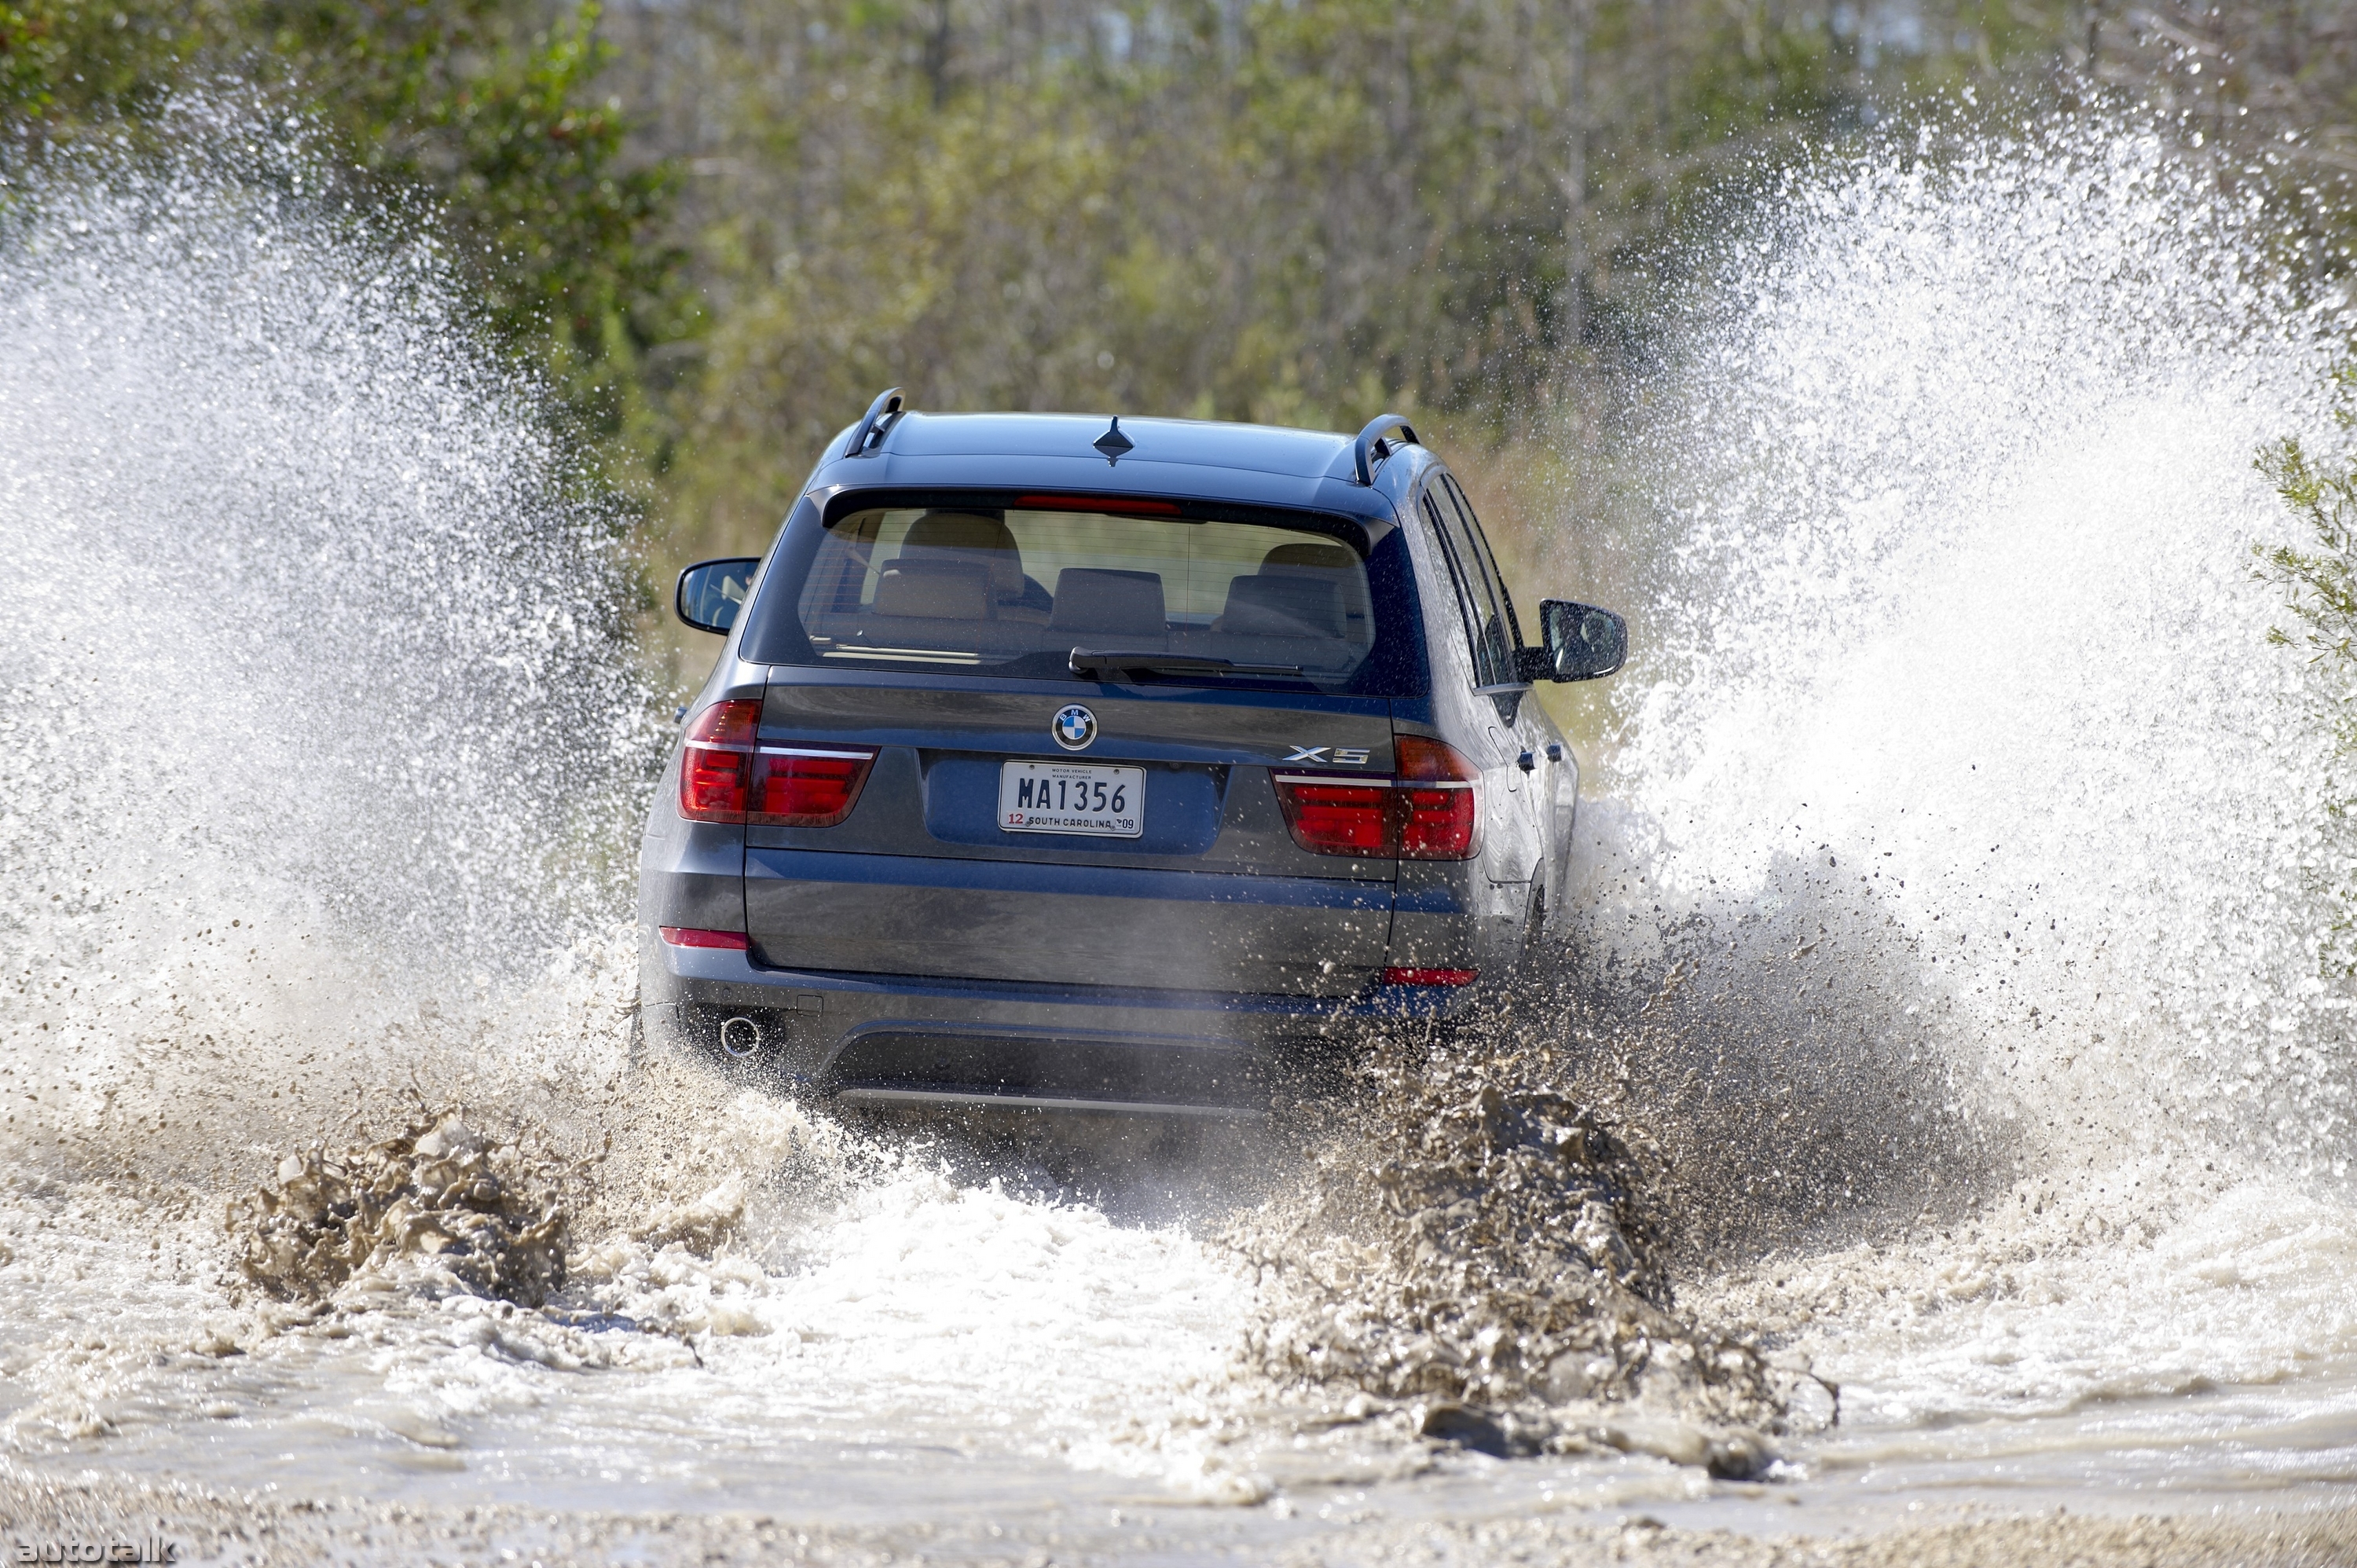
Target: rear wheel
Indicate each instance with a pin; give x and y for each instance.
(1527, 953)
(1533, 973)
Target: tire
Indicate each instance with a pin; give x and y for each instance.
(1531, 972)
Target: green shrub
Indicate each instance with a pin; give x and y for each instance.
(2318, 584)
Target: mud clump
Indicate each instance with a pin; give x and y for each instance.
(1489, 1253)
(438, 1198)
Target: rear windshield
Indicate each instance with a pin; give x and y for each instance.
(1007, 591)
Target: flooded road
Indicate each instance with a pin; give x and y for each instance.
(1940, 1117)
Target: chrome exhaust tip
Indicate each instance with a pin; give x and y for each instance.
(740, 1037)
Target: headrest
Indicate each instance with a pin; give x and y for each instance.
(971, 535)
(1322, 557)
(936, 590)
(1284, 605)
(1090, 598)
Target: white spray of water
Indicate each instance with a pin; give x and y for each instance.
(324, 757)
(320, 754)
(318, 719)
(1991, 843)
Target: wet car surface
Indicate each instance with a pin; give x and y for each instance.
(1059, 761)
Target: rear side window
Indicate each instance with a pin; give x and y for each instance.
(1480, 597)
(1489, 563)
(1011, 591)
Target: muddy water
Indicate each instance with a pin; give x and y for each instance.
(1942, 1106)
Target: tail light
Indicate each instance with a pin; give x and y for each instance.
(700, 937)
(726, 776)
(1338, 816)
(1427, 811)
(807, 786)
(1438, 817)
(716, 770)
(1431, 976)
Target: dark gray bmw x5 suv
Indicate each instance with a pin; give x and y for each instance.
(1054, 762)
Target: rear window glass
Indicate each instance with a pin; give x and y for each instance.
(1007, 591)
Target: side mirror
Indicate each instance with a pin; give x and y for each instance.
(1583, 642)
(712, 592)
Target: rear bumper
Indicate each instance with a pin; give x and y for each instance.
(898, 1039)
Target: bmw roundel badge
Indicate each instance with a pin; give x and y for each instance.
(1074, 727)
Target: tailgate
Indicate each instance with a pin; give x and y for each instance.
(1210, 893)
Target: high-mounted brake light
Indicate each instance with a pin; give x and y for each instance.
(1116, 506)
(1427, 811)
(726, 776)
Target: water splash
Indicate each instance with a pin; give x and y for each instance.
(1969, 917)
(324, 751)
(1965, 907)
(1969, 812)
(318, 711)
(486, 1215)
(351, 630)
(1489, 1258)
(1958, 921)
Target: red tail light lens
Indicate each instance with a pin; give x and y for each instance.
(1439, 817)
(725, 775)
(1428, 811)
(807, 786)
(716, 770)
(1431, 976)
(1337, 816)
(698, 937)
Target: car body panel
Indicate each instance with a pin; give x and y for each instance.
(1109, 925)
(938, 750)
(1214, 894)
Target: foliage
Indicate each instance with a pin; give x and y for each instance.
(723, 225)
(2319, 584)
(482, 107)
(68, 61)
(1291, 210)
(2319, 588)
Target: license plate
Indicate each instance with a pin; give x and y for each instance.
(1071, 798)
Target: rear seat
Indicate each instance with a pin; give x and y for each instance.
(950, 591)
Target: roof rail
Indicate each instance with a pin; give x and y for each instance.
(887, 403)
(1371, 447)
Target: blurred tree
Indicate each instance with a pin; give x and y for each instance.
(487, 107)
(1299, 211)
(65, 62)
(2265, 89)
(492, 109)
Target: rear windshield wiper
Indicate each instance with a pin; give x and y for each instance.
(1121, 660)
